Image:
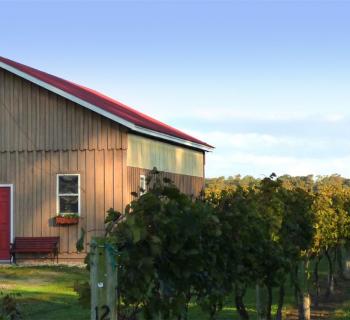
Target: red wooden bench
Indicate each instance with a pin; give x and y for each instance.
(49, 245)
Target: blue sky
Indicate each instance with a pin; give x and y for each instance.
(267, 83)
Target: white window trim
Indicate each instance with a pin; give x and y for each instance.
(142, 176)
(66, 194)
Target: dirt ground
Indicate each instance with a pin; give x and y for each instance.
(327, 307)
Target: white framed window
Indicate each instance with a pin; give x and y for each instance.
(143, 185)
(68, 194)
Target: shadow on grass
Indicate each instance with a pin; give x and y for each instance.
(229, 311)
(45, 292)
(49, 310)
(38, 305)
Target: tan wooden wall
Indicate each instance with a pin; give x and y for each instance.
(188, 184)
(43, 134)
(34, 177)
(32, 118)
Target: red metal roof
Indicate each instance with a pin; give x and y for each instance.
(101, 101)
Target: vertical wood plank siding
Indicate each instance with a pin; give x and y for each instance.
(43, 134)
(34, 119)
(187, 184)
(33, 174)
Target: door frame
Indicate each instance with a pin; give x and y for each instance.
(10, 185)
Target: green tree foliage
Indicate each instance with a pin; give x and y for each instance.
(331, 206)
(247, 233)
(169, 251)
(303, 220)
(241, 241)
(214, 186)
(269, 227)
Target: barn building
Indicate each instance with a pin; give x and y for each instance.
(67, 149)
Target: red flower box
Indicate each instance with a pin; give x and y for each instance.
(62, 220)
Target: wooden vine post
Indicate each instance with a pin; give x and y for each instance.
(103, 280)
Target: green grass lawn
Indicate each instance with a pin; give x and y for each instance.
(46, 293)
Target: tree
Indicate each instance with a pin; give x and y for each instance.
(297, 234)
(288, 220)
(168, 247)
(266, 228)
(246, 234)
(241, 240)
(332, 223)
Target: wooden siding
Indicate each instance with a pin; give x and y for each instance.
(34, 177)
(187, 184)
(148, 153)
(43, 134)
(34, 119)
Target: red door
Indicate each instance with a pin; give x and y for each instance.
(5, 222)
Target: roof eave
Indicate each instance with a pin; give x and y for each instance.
(103, 112)
(167, 137)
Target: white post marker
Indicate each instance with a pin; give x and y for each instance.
(103, 281)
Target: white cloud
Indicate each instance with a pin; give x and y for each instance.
(217, 114)
(334, 117)
(255, 141)
(249, 140)
(261, 154)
